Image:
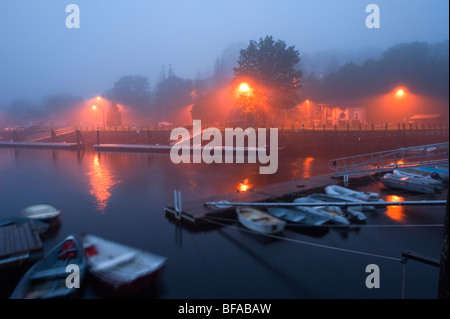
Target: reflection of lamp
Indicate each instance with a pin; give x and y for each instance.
(101, 181)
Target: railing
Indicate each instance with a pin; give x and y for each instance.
(431, 154)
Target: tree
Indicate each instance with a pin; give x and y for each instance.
(132, 91)
(114, 117)
(271, 65)
(173, 97)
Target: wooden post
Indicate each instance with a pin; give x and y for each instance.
(98, 137)
(443, 286)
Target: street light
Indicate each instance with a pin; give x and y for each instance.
(103, 109)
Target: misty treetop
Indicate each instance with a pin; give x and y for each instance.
(272, 64)
(131, 90)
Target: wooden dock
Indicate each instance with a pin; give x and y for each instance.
(20, 244)
(195, 212)
(36, 145)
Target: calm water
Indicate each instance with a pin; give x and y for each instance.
(122, 197)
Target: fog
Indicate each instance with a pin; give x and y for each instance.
(40, 57)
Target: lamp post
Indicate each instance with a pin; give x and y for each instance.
(103, 110)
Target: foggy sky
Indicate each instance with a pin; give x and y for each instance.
(39, 55)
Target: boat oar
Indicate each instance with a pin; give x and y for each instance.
(226, 204)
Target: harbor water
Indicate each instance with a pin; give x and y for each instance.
(121, 197)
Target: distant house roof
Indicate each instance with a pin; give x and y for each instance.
(425, 116)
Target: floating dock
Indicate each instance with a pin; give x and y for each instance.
(133, 148)
(167, 148)
(195, 212)
(20, 245)
(55, 146)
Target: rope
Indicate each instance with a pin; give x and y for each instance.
(308, 243)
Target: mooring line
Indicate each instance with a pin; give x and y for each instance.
(306, 243)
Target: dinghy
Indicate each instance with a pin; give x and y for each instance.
(44, 212)
(119, 268)
(354, 212)
(427, 180)
(296, 216)
(259, 220)
(49, 278)
(332, 213)
(406, 183)
(350, 194)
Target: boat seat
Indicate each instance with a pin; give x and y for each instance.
(115, 261)
(50, 273)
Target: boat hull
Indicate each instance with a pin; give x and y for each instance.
(121, 269)
(259, 221)
(47, 278)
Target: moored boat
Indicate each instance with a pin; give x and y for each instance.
(350, 194)
(45, 212)
(406, 183)
(333, 213)
(259, 220)
(296, 216)
(428, 180)
(354, 212)
(49, 277)
(121, 269)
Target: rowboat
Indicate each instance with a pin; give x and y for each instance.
(353, 212)
(396, 181)
(57, 275)
(119, 268)
(44, 212)
(259, 220)
(296, 216)
(333, 213)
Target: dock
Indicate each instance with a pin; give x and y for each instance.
(133, 148)
(168, 148)
(20, 244)
(36, 145)
(196, 213)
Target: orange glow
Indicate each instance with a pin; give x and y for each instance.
(307, 167)
(99, 98)
(101, 181)
(395, 212)
(94, 107)
(244, 186)
(244, 88)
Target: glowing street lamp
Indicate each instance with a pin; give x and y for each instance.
(244, 88)
(402, 94)
(103, 109)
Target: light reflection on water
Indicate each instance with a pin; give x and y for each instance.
(101, 181)
(396, 212)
